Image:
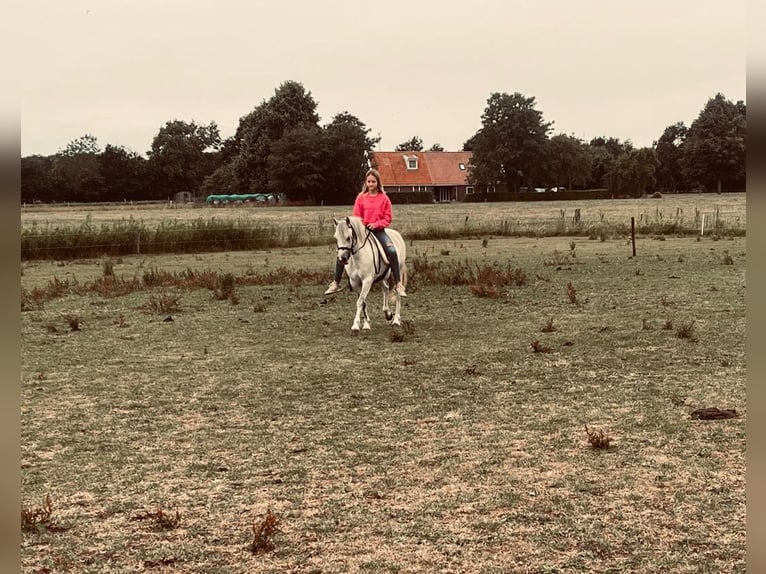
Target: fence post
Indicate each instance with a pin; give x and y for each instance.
(633, 234)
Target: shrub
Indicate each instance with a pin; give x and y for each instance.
(162, 520)
(263, 533)
(598, 439)
(538, 347)
(686, 331)
(73, 320)
(225, 287)
(163, 302)
(548, 327)
(571, 293)
(39, 520)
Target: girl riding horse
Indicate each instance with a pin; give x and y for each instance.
(373, 206)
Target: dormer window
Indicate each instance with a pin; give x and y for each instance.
(411, 161)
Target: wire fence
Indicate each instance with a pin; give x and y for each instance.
(70, 233)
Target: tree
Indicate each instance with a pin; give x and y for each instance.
(436, 147)
(37, 182)
(222, 181)
(633, 172)
(76, 169)
(569, 161)
(414, 144)
(714, 150)
(604, 152)
(294, 165)
(510, 147)
(290, 107)
(669, 149)
(345, 141)
(87, 145)
(178, 158)
(124, 175)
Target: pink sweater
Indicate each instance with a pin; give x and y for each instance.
(373, 209)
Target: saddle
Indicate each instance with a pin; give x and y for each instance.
(382, 263)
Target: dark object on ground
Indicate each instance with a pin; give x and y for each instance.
(714, 413)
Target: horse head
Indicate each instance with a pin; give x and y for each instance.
(346, 238)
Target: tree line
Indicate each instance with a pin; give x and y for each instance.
(281, 148)
(513, 150)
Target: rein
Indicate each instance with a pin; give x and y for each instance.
(355, 240)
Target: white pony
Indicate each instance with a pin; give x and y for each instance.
(366, 264)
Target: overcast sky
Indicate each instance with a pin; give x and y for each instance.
(120, 70)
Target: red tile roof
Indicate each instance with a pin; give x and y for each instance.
(445, 167)
(434, 167)
(392, 166)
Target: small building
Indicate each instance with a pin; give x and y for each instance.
(183, 197)
(443, 173)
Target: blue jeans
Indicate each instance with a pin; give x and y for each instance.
(388, 245)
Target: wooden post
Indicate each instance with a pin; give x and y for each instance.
(702, 227)
(633, 234)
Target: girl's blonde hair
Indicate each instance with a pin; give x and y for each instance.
(376, 174)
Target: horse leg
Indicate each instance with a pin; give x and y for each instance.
(397, 320)
(398, 308)
(360, 307)
(386, 291)
(366, 325)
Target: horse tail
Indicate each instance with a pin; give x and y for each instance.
(403, 273)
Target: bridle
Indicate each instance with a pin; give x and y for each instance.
(354, 240)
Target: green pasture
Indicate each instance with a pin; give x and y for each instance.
(166, 421)
(76, 232)
(729, 207)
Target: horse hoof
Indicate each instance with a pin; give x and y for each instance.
(389, 316)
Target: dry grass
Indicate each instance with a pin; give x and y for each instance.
(119, 230)
(456, 449)
(685, 209)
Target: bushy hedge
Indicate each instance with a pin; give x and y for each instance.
(133, 237)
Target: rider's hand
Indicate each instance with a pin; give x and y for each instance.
(370, 226)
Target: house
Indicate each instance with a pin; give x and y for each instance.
(443, 173)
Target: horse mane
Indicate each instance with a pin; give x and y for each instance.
(356, 223)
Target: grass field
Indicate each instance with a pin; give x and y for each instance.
(730, 208)
(456, 443)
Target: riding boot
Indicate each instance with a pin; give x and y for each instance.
(393, 260)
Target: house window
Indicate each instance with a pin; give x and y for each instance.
(461, 165)
(412, 161)
(469, 190)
